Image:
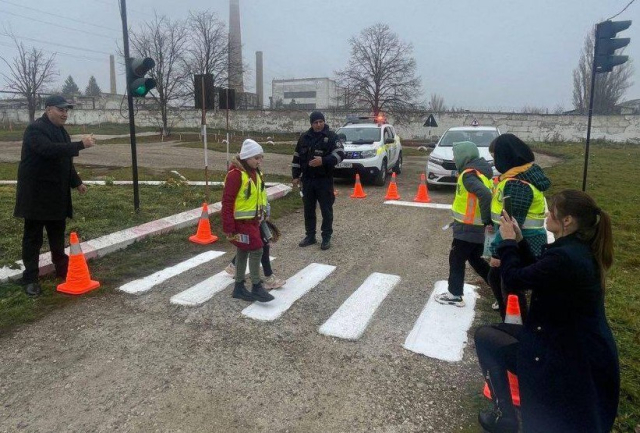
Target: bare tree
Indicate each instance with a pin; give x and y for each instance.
(381, 70)
(166, 42)
(436, 103)
(29, 72)
(609, 88)
(208, 52)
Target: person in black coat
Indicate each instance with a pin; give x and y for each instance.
(317, 152)
(564, 355)
(43, 197)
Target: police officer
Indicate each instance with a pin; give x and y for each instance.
(317, 152)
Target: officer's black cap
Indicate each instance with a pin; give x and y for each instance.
(57, 101)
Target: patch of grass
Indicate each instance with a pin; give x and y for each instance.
(17, 129)
(106, 209)
(136, 261)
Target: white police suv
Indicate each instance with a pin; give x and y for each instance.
(372, 149)
(441, 169)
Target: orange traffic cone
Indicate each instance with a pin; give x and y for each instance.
(358, 192)
(423, 194)
(78, 279)
(513, 311)
(513, 385)
(203, 235)
(392, 191)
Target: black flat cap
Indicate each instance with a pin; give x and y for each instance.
(57, 101)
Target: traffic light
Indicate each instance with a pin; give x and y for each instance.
(138, 84)
(606, 44)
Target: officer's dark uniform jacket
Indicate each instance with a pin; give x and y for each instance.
(311, 144)
(46, 173)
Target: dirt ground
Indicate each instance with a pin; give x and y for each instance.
(121, 362)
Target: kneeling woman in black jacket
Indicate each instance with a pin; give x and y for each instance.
(564, 355)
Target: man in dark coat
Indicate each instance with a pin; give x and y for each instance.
(43, 198)
(317, 153)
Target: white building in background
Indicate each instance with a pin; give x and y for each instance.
(306, 93)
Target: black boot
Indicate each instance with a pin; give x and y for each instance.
(326, 243)
(241, 292)
(260, 294)
(502, 418)
(308, 240)
(33, 289)
(494, 421)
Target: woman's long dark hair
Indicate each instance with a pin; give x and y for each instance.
(594, 225)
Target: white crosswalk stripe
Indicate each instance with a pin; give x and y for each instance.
(351, 319)
(295, 288)
(441, 330)
(146, 283)
(205, 290)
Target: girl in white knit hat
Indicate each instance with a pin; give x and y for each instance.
(244, 206)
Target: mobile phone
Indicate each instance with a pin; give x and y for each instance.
(506, 201)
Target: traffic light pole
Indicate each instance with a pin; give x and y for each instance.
(227, 129)
(591, 93)
(132, 125)
(204, 141)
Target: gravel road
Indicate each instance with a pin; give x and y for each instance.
(120, 362)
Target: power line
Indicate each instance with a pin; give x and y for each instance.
(62, 53)
(56, 15)
(57, 25)
(53, 43)
(625, 8)
(128, 8)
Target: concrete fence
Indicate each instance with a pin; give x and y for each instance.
(532, 127)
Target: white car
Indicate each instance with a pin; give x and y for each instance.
(372, 150)
(441, 169)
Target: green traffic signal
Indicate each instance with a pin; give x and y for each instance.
(139, 85)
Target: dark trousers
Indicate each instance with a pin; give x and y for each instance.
(461, 253)
(318, 190)
(266, 262)
(501, 294)
(32, 239)
(497, 347)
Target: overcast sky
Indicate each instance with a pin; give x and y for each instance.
(485, 54)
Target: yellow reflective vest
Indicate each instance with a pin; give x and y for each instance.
(535, 214)
(466, 207)
(251, 200)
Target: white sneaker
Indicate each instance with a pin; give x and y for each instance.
(447, 298)
(273, 282)
(231, 269)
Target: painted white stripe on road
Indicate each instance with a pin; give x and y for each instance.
(146, 283)
(415, 204)
(295, 288)
(441, 330)
(203, 291)
(352, 318)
